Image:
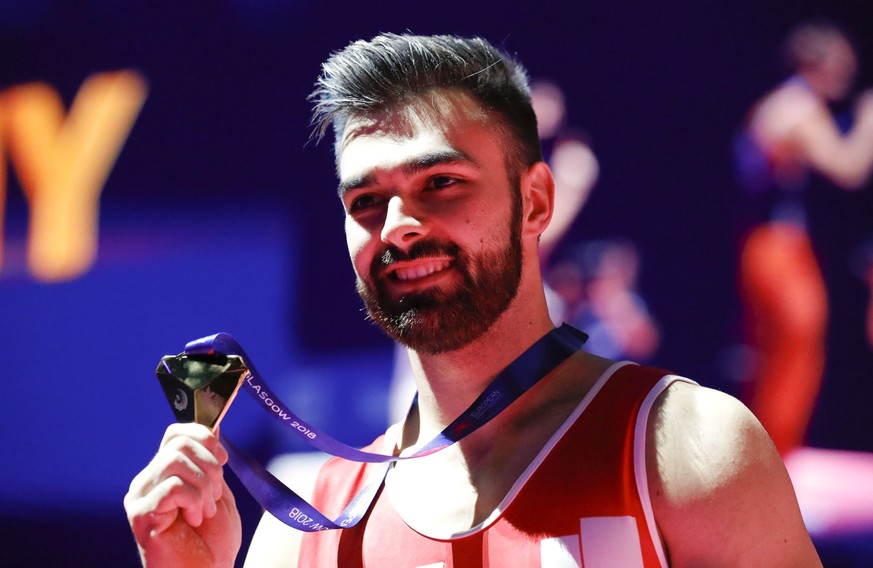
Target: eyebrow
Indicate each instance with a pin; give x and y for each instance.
(411, 167)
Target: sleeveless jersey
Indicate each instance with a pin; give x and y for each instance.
(584, 501)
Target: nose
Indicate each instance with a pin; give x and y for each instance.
(403, 225)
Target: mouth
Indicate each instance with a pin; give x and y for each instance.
(418, 269)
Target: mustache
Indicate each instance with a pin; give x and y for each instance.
(421, 249)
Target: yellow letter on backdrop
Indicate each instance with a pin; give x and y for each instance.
(63, 162)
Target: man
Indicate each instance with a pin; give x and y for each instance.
(792, 142)
(446, 196)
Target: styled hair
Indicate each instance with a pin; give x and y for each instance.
(372, 76)
(807, 43)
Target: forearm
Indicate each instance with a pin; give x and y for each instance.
(847, 160)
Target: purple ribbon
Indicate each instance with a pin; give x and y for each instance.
(527, 370)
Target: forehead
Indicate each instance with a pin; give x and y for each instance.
(433, 123)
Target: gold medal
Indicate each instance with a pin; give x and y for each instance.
(200, 388)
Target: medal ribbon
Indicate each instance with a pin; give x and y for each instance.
(527, 370)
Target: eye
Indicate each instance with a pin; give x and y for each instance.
(442, 182)
(364, 202)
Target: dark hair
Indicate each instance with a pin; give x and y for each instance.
(806, 45)
(371, 76)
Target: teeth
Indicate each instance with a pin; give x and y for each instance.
(415, 272)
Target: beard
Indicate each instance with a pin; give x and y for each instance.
(439, 320)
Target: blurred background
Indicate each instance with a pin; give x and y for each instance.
(219, 214)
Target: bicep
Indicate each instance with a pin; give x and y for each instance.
(575, 170)
(838, 157)
(720, 492)
(273, 545)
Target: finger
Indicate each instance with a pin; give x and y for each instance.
(201, 434)
(205, 457)
(155, 512)
(180, 452)
(175, 494)
(209, 460)
(191, 430)
(144, 522)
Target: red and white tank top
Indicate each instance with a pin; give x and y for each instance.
(583, 502)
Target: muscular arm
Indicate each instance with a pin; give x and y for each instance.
(575, 170)
(274, 545)
(847, 160)
(720, 492)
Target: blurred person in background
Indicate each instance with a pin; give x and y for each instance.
(568, 153)
(790, 141)
(597, 282)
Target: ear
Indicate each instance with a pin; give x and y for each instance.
(538, 198)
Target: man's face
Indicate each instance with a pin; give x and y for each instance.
(432, 221)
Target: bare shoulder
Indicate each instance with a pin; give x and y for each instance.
(703, 437)
(790, 103)
(720, 492)
(782, 111)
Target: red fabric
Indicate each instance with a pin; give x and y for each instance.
(787, 303)
(588, 473)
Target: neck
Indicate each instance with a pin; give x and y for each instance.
(449, 382)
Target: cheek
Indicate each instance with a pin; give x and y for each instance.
(491, 228)
(357, 241)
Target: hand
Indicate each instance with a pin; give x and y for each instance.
(180, 509)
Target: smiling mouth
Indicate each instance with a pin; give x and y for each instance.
(421, 268)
